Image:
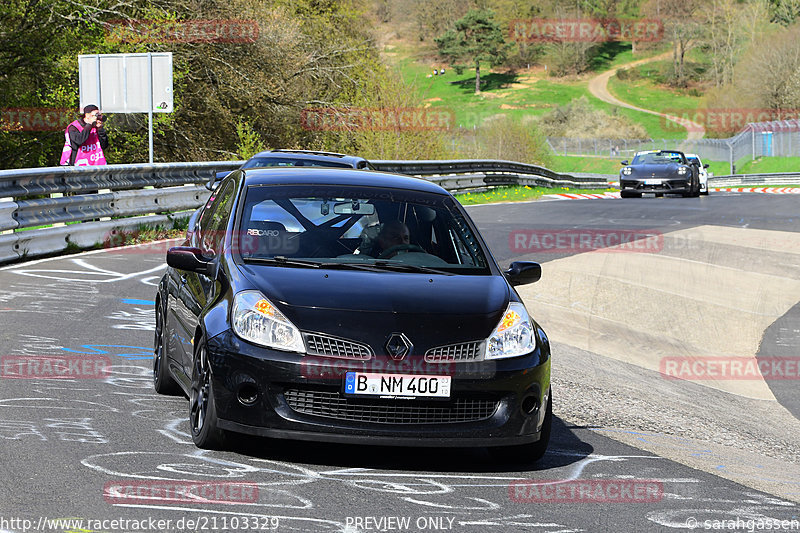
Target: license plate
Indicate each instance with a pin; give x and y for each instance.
(403, 385)
(652, 182)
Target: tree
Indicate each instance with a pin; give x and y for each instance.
(768, 75)
(729, 26)
(785, 12)
(303, 53)
(681, 27)
(432, 17)
(476, 38)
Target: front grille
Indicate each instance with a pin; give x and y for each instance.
(333, 405)
(455, 353)
(334, 347)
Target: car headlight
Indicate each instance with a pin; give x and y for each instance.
(256, 319)
(513, 336)
(682, 170)
(627, 171)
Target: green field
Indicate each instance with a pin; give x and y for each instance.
(593, 165)
(769, 164)
(614, 53)
(647, 93)
(519, 95)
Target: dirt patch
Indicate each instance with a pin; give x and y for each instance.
(493, 95)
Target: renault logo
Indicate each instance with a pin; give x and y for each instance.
(398, 346)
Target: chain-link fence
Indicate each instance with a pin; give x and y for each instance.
(760, 139)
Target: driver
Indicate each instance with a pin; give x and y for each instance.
(392, 234)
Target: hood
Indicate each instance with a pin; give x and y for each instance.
(387, 292)
(670, 169)
(432, 310)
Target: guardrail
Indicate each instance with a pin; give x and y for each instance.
(59, 195)
(746, 180)
(132, 196)
(463, 174)
(145, 194)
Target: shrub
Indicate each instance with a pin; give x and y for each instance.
(579, 119)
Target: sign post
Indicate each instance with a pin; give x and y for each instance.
(128, 83)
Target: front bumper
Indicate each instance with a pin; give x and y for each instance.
(664, 186)
(301, 397)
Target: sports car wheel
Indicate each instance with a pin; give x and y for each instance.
(696, 188)
(527, 453)
(629, 194)
(202, 410)
(162, 380)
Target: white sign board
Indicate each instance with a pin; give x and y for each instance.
(126, 83)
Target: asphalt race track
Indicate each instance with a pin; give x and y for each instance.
(720, 278)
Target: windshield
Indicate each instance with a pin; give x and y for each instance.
(657, 158)
(364, 226)
(260, 162)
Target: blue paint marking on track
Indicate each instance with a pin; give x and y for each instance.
(141, 352)
(134, 301)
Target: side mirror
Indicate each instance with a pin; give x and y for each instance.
(523, 272)
(218, 176)
(624, 162)
(705, 166)
(189, 259)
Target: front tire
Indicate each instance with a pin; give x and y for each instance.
(694, 189)
(162, 380)
(202, 409)
(527, 453)
(629, 194)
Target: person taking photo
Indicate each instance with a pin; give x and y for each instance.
(85, 139)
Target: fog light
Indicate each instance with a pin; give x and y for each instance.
(530, 404)
(248, 394)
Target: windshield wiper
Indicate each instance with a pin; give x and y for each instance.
(406, 267)
(378, 266)
(285, 261)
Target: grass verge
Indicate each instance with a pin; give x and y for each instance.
(519, 194)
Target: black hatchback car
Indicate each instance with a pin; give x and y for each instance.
(659, 172)
(350, 306)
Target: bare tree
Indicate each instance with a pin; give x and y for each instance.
(769, 73)
(681, 27)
